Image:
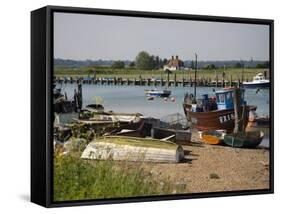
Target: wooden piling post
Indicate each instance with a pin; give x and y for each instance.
(237, 111)
(148, 81)
(175, 80)
(217, 80)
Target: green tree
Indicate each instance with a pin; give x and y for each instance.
(210, 66)
(263, 65)
(132, 64)
(144, 61)
(238, 65)
(118, 64)
(192, 66)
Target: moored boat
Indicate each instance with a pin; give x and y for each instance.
(259, 81)
(131, 130)
(213, 137)
(157, 93)
(97, 108)
(244, 139)
(216, 112)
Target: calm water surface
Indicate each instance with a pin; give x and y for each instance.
(131, 99)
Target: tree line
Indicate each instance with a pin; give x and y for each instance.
(143, 61)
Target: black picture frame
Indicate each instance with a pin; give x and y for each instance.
(41, 104)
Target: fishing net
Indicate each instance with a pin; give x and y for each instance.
(174, 121)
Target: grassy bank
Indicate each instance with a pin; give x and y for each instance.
(132, 73)
(77, 179)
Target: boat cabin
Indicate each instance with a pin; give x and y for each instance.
(225, 99)
(259, 77)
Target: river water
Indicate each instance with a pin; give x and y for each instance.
(131, 99)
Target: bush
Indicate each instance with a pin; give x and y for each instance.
(76, 179)
(118, 65)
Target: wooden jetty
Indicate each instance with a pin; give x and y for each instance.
(183, 82)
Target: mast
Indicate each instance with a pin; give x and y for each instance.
(237, 111)
(242, 63)
(195, 84)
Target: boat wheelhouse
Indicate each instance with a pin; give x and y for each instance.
(224, 98)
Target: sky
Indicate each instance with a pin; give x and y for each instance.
(83, 36)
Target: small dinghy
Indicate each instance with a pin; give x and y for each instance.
(133, 149)
(214, 137)
(96, 108)
(244, 139)
(157, 93)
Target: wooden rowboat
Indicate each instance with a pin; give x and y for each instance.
(244, 139)
(212, 137)
(133, 149)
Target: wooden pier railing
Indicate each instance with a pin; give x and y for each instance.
(184, 82)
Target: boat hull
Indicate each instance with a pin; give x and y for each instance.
(256, 85)
(212, 137)
(244, 140)
(214, 120)
(155, 93)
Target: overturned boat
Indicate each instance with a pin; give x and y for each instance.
(133, 149)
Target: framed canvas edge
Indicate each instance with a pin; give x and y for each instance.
(49, 73)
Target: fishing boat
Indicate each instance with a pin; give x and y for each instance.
(213, 137)
(61, 104)
(131, 130)
(244, 139)
(157, 93)
(216, 112)
(96, 108)
(133, 149)
(259, 81)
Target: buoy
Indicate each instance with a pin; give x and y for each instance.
(173, 99)
(165, 99)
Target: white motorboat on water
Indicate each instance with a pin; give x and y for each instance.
(259, 81)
